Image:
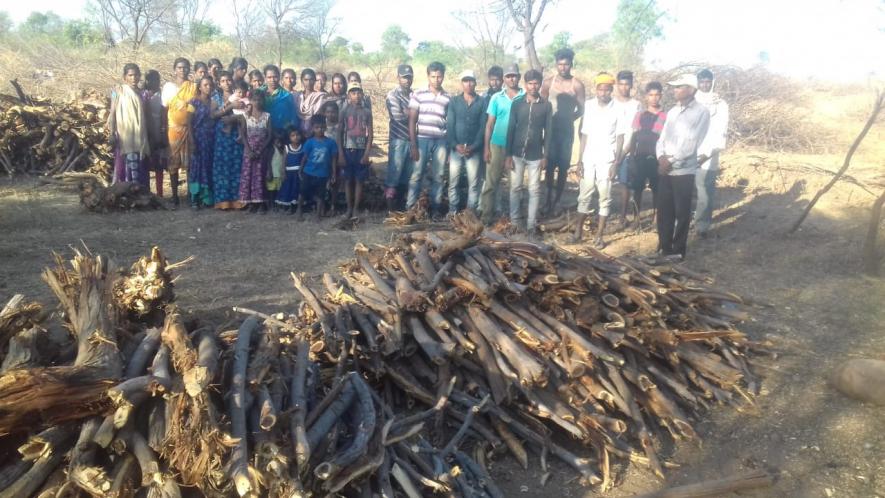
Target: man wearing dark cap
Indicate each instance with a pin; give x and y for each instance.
(465, 127)
(399, 148)
(496, 139)
(566, 94)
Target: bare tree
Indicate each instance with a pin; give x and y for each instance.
(527, 15)
(246, 20)
(490, 29)
(133, 19)
(320, 28)
(192, 13)
(280, 13)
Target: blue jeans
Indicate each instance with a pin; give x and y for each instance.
(398, 163)
(472, 165)
(705, 183)
(433, 151)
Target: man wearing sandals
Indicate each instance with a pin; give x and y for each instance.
(602, 142)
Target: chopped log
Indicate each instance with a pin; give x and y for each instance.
(717, 487)
(237, 406)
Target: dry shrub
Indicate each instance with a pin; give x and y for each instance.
(765, 109)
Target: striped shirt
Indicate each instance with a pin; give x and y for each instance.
(398, 109)
(432, 109)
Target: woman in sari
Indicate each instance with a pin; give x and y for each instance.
(338, 91)
(200, 69)
(227, 160)
(308, 101)
(199, 173)
(176, 97)
(256, 79)
(288, 79)
(278, 102)
(128, 129)
(257, 130)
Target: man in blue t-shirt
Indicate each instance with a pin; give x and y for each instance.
(319, 166)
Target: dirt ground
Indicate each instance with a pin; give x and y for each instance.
(821, 311)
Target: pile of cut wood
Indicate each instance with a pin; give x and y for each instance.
(39, 136)
(406, 375)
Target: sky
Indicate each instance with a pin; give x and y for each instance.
(828, 40)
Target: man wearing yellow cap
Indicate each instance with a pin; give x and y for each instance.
(601, 142)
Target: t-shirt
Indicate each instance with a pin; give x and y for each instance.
(357, 121)
(626, 111)
(499, 107)
(601, 125)
(647, 126)
(432, 109)
(319, 156)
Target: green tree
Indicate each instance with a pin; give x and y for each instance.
(203, 31)
(637, 22)
(395, 44)
(5, 23)
(560, 40)
(82, 33)
(437, 51)
(42, 23)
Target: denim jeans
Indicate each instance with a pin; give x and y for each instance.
(398, 164)
(521, 166)
(434, 151)
(705, 183)
(472, 165)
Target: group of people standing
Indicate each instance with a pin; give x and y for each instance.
(244, 140)
(517, 132)
(252, 140)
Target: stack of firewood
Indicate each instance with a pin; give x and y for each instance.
(407, 375)
(39, 136)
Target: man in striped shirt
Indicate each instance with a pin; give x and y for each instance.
(398, 158)
(427, 134)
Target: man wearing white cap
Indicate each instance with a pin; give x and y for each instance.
(677, 151)
(601, 143)
(465, 130)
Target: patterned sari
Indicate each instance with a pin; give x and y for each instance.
(179, 111)
(307, 107)
(199, 173)
(254, 172)
(226, 162)
(281, 106)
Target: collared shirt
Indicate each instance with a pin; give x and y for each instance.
(465, 123)
(683, 132)
(601, 126)
(398, 109)
(499, 108)
(627, 111)
(432, 109)
(529, 129)
(714, 140)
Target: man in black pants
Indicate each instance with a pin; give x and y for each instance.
(677, 152)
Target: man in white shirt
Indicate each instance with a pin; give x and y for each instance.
(602, 140)
(708, 152)
(677, 151)
(627, 108)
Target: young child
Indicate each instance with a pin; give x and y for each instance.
(258, 131)
(355, 137)
(288, 195)
(317, 166)
(256, 79)
(239, 93)
(275, 172)
(330, 110)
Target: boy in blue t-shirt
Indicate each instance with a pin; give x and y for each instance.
(318, 166)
